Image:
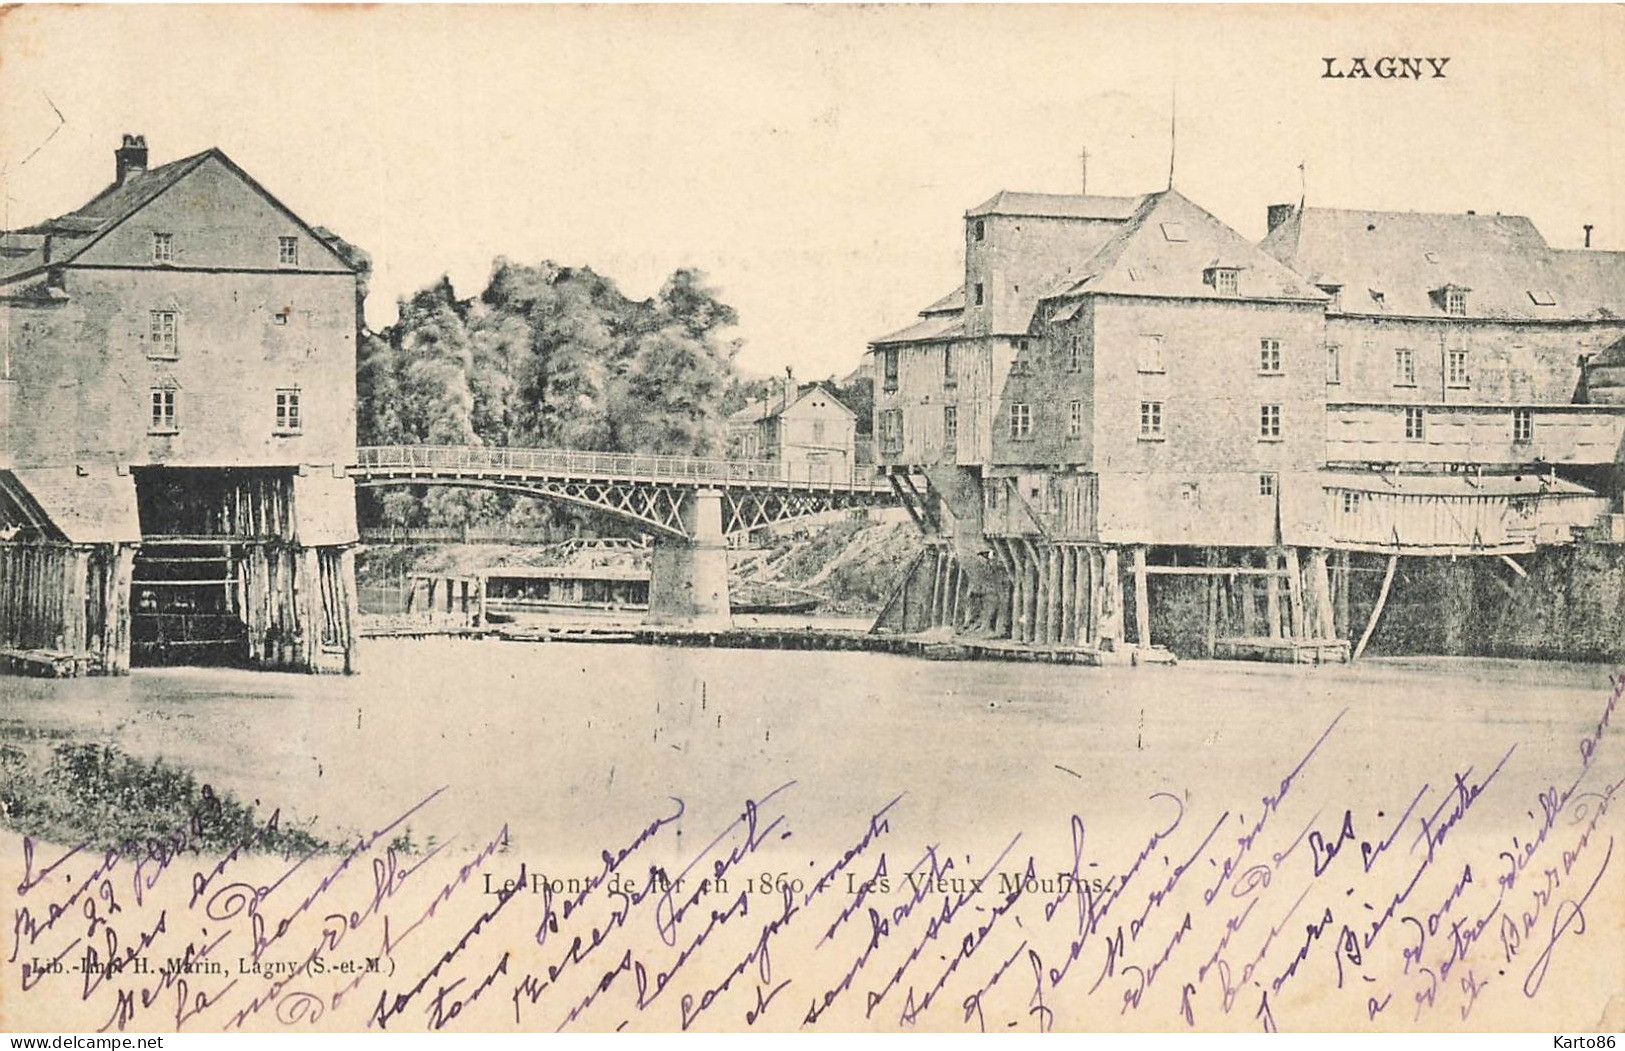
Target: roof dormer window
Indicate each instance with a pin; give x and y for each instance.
(1222, 278)
(1453, 298)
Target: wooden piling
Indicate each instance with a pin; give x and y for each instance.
(1142, 601)
(1272, 593)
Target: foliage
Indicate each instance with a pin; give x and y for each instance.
(545, 356)
(96, 794)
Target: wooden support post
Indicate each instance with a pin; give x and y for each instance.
(1324, 627)
(1249, 605)
(1057, 634)
(1034, 568)
(934, 618)
(1111, 606)
(1376, 610)
(1272, 593)
(1210, 640)
(1142, 601)
(1041, 627)
(1341, 616)
(308, 607)
(1097, 593)
(351, 610)
(1069, 606)
(1294, 589)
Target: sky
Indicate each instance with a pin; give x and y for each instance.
(815, 162)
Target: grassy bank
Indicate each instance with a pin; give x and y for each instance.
(58, 790)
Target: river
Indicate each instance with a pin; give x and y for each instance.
(562, 750)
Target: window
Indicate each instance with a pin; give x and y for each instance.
(1351, 502)
(979, 297)
(1150, 420)
(287, 251)
(1269, 423)
(1269, 355)
(1150, 354)
(164, 343)
(891, 430)
(163, 411)
(979, 229)
(1455, 368)
(949, 378)
(1413, 424)
(1404, 368)
(818, 430)
(163, 248)
(1523, 426)
(288, 419)
(1455, 301)
(1223, 279)
(1021, 420)
(1266, 485)
(1074, 354)
(890, 365)
(950, 427)
(1074, 419)
(1334, 365)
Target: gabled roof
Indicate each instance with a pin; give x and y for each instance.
(952, 303)
(24, 252)
(72, 233)
(1169, 247)
(1056, 206)
(934, 326)
(1611, 356)
(1394, 264)
(773, 406)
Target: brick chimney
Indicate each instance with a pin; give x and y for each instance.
(130, 157)
(1277, 214)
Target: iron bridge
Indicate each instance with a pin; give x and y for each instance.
(648, 490)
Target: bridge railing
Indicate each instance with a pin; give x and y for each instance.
(633, 466)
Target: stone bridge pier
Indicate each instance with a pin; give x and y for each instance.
(688, 578)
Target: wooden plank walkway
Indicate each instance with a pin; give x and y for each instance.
(1283, 651)
(766, 638)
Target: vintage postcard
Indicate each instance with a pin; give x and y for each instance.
(758, 518)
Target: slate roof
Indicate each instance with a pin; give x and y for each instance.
(22, 251)
(95, 509)
(1056, 205)
(951, 303)
(935, 326)
(1165, 246)
(1395, 264)
(1168, 247)
(770, 407)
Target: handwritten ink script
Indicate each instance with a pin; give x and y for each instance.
(1314, 898)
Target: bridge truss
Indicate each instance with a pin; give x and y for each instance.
(647, 490)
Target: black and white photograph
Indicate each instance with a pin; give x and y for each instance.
(763, 518)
